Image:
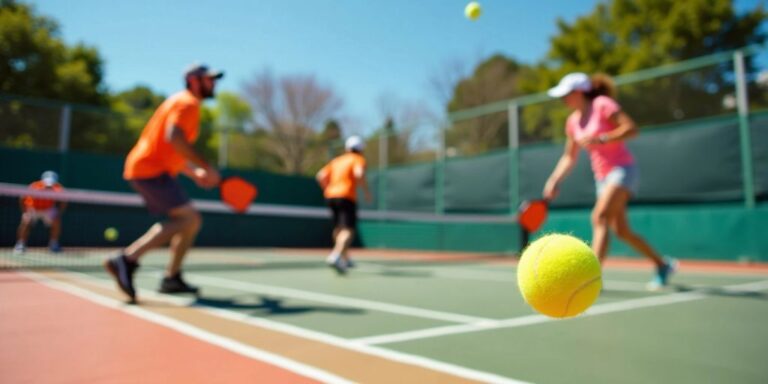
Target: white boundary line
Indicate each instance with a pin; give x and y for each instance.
(194, 332)
(538, 319)
(336, 341)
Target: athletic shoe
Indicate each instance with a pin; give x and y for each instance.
(332, 258)
(336, 262)
(662, 274)
(55, 247)
(122, 271)
(19, 248)
(350, 263)
(176, 284)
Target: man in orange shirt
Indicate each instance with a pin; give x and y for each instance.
(339, 180)
(46, 210)
(163, 151)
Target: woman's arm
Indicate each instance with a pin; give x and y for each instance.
(563, 168)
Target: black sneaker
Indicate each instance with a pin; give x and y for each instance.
(175, 284)
(122, 271)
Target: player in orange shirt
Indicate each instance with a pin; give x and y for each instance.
(339, 180)
(162, 152)
(46, 210)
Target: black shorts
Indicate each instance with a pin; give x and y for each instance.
(161, 193)
(344, 213)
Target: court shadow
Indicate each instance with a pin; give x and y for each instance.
(721, 292)
(401, 273)
(266, 306)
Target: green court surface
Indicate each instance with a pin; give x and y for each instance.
(707, 327)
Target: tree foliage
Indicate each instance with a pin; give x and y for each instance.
(624, 36)
(497, 78)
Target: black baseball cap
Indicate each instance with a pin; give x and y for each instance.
(203, 70)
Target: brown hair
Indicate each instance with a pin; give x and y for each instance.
(602, 85)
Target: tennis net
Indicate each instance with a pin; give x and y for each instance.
(87, 217)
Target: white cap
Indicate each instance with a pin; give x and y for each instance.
(576, 81)
(354, 143)
(49, 178)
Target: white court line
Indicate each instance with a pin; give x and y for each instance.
(194, 332)
(538, 319)
(329, 339)
(337, 300)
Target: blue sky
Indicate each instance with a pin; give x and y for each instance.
(362, 48)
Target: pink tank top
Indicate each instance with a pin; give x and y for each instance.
(603, 157)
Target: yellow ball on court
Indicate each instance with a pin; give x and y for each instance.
(111, 234)
(559, 275)
(473, 10)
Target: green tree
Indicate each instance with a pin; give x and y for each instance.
(623, 36)
(36, 63)
(497, 78)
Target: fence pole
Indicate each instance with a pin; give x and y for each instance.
(65, 125)
(383, 159)
(747, 172)
(514, 157)
(440, 175)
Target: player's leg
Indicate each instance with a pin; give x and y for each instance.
(600, 222)
(22, 234)
(620, 226)
(181, 242)
(53, 220)
(162, 195)
(349, 225)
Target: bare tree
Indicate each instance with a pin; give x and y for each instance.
(294, 109)
(409, 128)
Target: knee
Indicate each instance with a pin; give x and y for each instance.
(599, 218)
(193, 221)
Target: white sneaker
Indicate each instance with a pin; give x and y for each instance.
(332, 258)
(19, 248)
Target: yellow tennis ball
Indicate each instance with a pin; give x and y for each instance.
(559, 275)
(473, 10)
(110, 234)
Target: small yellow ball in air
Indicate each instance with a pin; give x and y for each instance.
(110, 234)
(473, 10)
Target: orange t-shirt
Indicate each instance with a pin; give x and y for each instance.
(340, 176)
(40, 204)
(153, 154)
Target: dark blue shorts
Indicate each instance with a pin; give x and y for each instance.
(161, 193)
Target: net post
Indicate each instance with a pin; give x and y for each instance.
(744, 130)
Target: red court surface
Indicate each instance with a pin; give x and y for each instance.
(49, 336)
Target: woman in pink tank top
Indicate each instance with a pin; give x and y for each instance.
(598, 125)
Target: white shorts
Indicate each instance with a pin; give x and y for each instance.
(46, 215)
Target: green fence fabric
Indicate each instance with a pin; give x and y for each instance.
(759, 132)
(411, 188)
(719, 231)
(537, 163)
(691, 163)
(479, 184)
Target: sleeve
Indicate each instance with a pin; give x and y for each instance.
(186, 117)
(606, 107)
